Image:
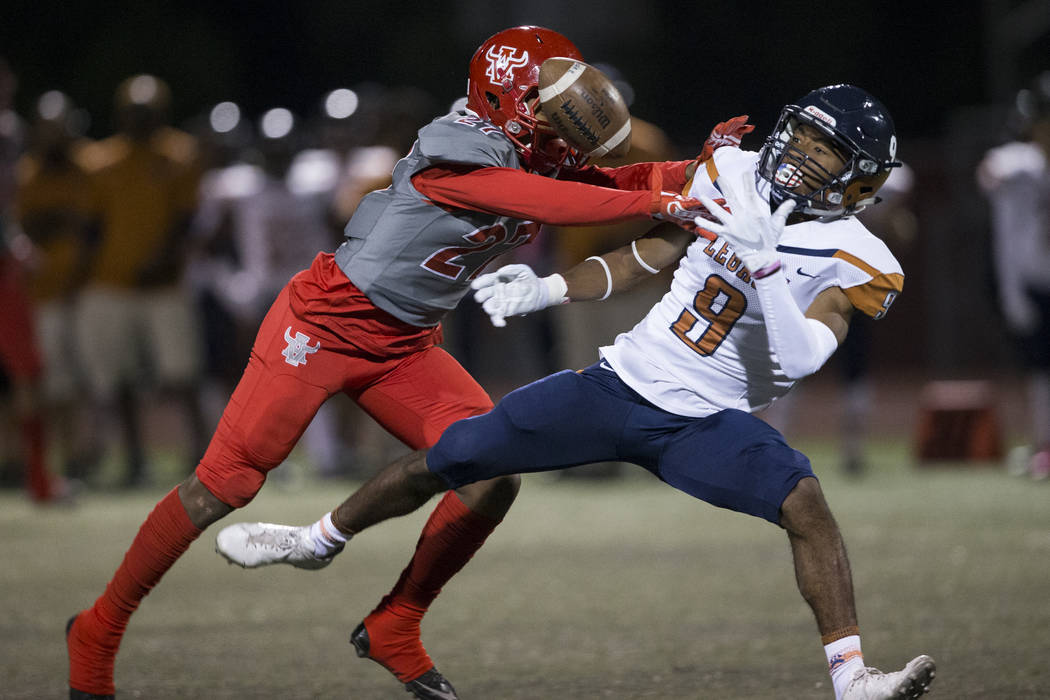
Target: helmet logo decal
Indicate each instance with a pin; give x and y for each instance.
(788, 175)
(820, 114)
(893, 145)
(502, 62)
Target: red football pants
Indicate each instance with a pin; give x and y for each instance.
(301, 358)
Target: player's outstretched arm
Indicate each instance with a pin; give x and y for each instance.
(515, 290)
(597, 277)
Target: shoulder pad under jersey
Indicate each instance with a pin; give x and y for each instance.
(866, 270)
(465, 138)
(729, 162)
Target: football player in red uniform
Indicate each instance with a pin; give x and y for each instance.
(366, 321)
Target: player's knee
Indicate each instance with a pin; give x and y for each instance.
(232, 482)
(459, 455)
(504, 488)
(805, 508)
(492, 497)
(202, 506)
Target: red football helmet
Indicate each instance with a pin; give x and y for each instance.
(503, 89)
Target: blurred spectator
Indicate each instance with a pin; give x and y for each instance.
(224, 140)
(1015, 177)
(134, 319)
(10, 145)
(57, 209)
(19, 354)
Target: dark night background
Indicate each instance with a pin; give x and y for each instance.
(945, 70)
(688, 64)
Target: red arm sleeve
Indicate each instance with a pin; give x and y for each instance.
(638, 176)
(511, 192)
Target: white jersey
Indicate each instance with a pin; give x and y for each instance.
(704, 348)
(1016, 179)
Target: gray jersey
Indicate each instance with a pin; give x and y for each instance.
(415, 259)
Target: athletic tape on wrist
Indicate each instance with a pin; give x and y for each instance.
(608, 276)
(634, 249)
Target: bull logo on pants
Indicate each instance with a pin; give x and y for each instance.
(298, 347)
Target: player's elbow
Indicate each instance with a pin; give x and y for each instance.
(813, 344)
(797, 368)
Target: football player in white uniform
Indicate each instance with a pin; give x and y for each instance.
(1016, 179)
(762, 300)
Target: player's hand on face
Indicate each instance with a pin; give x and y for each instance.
(510, 291)
(748, 225)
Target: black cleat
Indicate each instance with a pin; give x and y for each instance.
(430, 686)
(75, 694)
(359, 638)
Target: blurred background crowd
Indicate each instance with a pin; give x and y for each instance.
(165, 169)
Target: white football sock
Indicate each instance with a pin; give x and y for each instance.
(844, 659)
(326, 537)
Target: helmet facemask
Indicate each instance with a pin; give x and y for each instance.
(819, 192)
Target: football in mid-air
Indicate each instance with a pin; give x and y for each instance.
(585, 108)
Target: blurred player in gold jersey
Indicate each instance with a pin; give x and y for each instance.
(146, 178)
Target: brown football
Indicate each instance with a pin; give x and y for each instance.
(584, 107)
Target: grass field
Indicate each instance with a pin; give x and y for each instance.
(622, 589)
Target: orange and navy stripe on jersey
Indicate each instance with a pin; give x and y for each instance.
(873, 298)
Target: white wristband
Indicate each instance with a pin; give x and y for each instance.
(608, 276)
(648, 268)
(556, 289)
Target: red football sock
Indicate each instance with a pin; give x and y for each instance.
(451, 536)
(38, 483)
(95, 637)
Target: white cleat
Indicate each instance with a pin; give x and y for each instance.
(910, 682)
(252, 545)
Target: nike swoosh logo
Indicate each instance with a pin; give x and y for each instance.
(435, 693)
(799, 271)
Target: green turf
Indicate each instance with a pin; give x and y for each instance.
(622, 589)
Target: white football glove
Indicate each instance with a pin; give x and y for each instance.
(514, 290)
(751, 229)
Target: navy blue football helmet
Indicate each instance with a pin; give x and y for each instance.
(862, 132)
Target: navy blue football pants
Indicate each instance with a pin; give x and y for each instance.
(730, 459)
